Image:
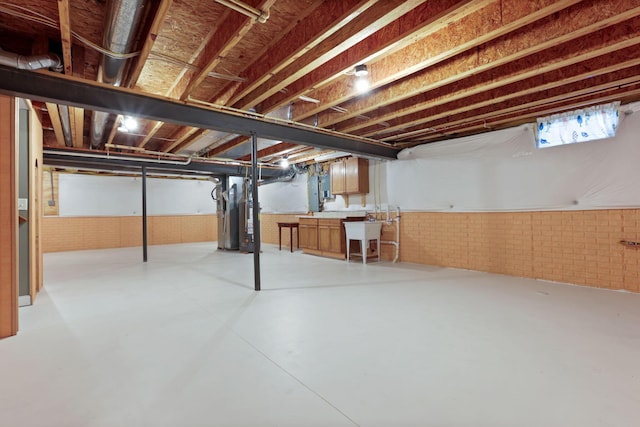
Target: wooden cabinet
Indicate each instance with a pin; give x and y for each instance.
(324, 236)
(356, 176)
(337, 177)
(331, 236)
(308, 229)
(350, 176)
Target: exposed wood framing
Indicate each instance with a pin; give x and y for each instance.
(78, 60)
(179, 138)
(630, 92)
(548, 33)
(280, 148)
(54, 115)
(408, 30)
(436, 68)
(232, 30)
(76, 115)
(363, 25)
(77, 126)
(239, 140)
(65, 35)
(150, 131)
(8, 219)
(181, 83)
(310, 158)
(322, 22)
(114, 129)
(540, 78)
(449, 39)
(97, 96)
(158, 20)
(529, 105)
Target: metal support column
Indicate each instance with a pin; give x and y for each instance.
(144, 213)
(256, 211)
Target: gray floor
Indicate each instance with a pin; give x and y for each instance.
(184, 341)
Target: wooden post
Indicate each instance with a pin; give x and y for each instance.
(8, 219)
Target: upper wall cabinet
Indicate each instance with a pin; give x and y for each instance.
(350, 176)
(337, 177)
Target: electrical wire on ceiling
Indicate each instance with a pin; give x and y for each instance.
(153, 137)
(161, 156)
(176, 61)
(45, 20)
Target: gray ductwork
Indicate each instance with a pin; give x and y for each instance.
(65, 122)
(122, 18)
(287, 176)
(40, 62)
(32, 62)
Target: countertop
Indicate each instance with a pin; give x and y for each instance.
(336, 215)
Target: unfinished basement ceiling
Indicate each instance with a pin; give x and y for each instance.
(436, 69)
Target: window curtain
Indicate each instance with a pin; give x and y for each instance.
(588, 124)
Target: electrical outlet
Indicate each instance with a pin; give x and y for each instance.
(23, 204)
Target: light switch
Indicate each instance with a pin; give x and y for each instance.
(23, 204)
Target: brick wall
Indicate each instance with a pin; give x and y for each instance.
(579, 247)
(80, 233)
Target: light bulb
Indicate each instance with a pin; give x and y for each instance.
(130, 123)
(284, 163)
(362, 84)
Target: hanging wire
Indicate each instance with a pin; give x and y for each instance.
(33, 16)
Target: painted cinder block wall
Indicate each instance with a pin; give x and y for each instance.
(82, 233)
(577, 247)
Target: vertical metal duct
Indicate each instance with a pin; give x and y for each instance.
(65, 121)
(122, 18)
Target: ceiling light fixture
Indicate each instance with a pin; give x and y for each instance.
(284, 163)
(128, 124)
(361, 70)
(362, 83)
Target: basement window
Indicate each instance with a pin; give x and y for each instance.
(588, 124)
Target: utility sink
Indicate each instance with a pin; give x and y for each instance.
(364, 231)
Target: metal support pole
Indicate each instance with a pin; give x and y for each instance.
(256, 211)
(144, 213)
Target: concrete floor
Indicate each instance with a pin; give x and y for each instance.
(184, 341)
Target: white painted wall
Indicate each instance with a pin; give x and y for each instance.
(503, 170)
(494, 171)
(285, 197)
(88, 195)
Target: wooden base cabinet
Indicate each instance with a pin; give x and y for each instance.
(324, 236)
(331, 237)
(308, 233)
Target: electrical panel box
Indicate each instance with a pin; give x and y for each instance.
(325, 186)
(314, 196)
